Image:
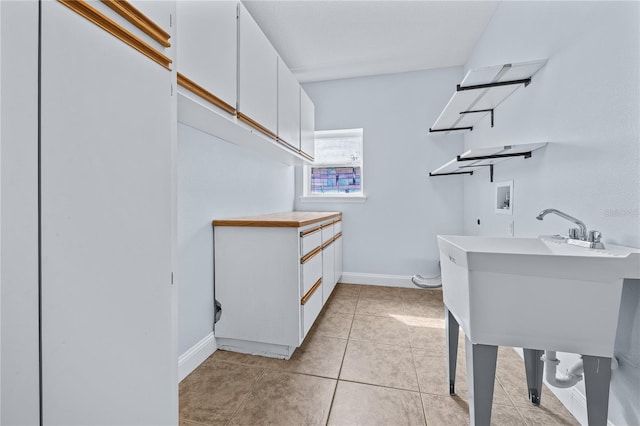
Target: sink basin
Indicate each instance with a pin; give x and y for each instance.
(536, 292)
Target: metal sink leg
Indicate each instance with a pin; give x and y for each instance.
(453, 330)
(597, 377)
(481, 374)
(534, 367)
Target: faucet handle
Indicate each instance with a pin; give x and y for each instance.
(595, 236)
(574, 233)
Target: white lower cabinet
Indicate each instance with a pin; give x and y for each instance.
(269, 277)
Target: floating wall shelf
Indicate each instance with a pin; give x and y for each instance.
(472, 160)
(480, 92)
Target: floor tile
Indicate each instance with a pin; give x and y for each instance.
(445, 410)
(385, 344)
(380, 293)
(347, 290)
(182, 422)
(433, 295)
(247, 359)
(318, 356)
(379, 307)
(430, 339)
(424, 308)
(432, 374)
(543, 417)
(333, 325)
(212, 393)
(379, 364)
(389, 331)
(338, 304)
(502, 415)
(454, 410)
(282, 398)
(360, 404)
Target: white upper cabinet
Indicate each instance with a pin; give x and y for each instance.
(258, 76)
(307, 124)
(224, 58)
(207, 46)
(288, 107)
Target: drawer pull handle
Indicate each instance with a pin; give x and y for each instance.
(328, 243)
(312, 290)
(308, 256)
(310, 231)
(338, 235)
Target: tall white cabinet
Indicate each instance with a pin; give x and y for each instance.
(19, 351)
(107, 123)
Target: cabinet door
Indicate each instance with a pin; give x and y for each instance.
(258, 75)
(328, 271)
(288, 107)
(208, 46)
(338, 258)
(307, 124)
(108, 349)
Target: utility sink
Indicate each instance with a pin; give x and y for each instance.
(536, 292)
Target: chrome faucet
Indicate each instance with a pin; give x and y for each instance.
(578, 236)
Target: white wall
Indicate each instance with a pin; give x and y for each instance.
(394, 232)
(585, 103)
(216, 179)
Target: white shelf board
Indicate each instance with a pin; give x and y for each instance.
(483, 98)
(200, 114)
(459, 166)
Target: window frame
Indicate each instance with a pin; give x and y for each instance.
(308, 196)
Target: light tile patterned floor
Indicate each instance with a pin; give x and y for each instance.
(375, 356)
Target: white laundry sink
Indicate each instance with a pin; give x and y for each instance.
(536, 292)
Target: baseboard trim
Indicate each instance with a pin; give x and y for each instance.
(194, 356)
(377, 279)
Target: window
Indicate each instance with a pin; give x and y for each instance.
(337, 169)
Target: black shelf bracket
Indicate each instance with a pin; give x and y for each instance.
(450, 129)
(479, 110)
(484, 165)
(525, 81)
(449, 174)
(526, 154)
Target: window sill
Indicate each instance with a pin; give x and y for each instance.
(333, 199)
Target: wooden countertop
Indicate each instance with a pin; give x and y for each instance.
(279, 220)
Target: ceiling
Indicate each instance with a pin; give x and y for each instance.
(326, 40)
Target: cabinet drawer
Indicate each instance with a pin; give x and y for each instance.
(327, 232)
(311, 305)
(310, 240)
(337, 227)
(311, 270)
